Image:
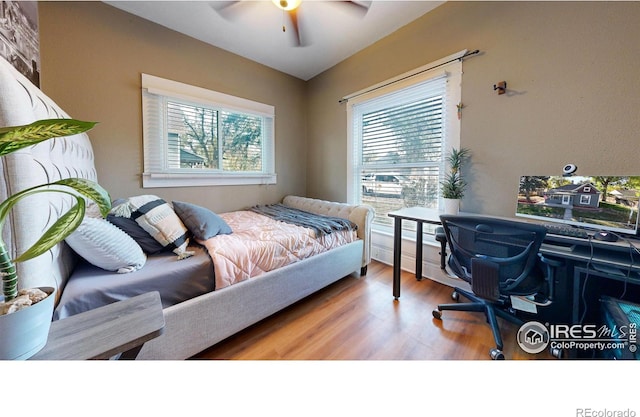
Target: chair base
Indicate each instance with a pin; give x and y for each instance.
(491, 311)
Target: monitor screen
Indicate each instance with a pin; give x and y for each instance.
(598, 203)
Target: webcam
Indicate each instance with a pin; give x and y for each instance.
(569, 170)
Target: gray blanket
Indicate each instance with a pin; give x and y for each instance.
(321, 224)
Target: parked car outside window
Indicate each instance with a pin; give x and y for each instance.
(384, 184)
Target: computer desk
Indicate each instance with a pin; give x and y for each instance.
(582, 258)
(420, 215)
(605, 262)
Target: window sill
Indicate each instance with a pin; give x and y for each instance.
(201, 180)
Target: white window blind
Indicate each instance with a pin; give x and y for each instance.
(398, 138)
(193, 136)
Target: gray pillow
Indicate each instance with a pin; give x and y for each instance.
(201, 222)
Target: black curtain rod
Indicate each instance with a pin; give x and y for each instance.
(342, 100)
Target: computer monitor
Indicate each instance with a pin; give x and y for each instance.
(605, 203)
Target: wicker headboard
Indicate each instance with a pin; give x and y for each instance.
(21, 103)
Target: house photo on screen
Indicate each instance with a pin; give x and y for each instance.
(19, 40)
(592, 202)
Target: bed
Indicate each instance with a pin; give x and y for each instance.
(211, 309)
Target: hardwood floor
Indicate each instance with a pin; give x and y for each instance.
(357, 319)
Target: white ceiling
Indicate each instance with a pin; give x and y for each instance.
(330, 31)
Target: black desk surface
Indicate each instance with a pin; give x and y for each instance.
(623, 254)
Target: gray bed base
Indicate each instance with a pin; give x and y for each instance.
(232, 309)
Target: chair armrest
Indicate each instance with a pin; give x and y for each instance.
(442, 238)
(551, 265)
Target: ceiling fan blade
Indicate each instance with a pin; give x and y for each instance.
(293, 17)
(358, 7)
(229, 10)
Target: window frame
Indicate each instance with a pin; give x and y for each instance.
(442, 67)
(585, 199)
(155, 92)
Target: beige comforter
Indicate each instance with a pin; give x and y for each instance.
(260, 244)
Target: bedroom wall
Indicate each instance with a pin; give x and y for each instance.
(571, 70)
(574, 93)
(92, 56)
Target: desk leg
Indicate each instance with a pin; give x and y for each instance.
(131, 354)
(419, 251)
(397, 256)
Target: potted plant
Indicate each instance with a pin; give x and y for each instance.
(25, 319)
(453, 186)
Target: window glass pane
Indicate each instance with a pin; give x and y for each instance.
(387, 191)
(403, 134)
(400, 153)
(198, 137)
(241, 141)
(399, 131)
(192, 137)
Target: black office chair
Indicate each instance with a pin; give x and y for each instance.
(499, 258)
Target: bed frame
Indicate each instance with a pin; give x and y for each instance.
(240, 305)
(186, 333)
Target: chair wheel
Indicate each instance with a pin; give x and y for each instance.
(556, 352)
(437, 314)
(496, 354)
(455, 296)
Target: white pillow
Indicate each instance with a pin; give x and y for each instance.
(104, 245)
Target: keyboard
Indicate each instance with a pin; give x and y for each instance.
(566, 230)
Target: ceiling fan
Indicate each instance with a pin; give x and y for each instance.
(291, 10)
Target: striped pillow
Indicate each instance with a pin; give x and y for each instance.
(158, 219)
(104, 245)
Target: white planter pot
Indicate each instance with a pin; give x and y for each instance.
(451, 205)
(25, 332)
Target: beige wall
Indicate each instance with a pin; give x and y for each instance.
(571, 68)
(574, 93)
(92, 56)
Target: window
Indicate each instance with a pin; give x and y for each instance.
(398, 135)
(585, 200)
(196, 137)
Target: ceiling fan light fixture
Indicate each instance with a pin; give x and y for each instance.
(287, 5)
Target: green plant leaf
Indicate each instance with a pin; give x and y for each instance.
(87, 188)
(453, 186)
(14, 138)
(68, 222)
(91, 190)
(62, 228)
(9, 276)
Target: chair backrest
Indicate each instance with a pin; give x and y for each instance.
(503, 251)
